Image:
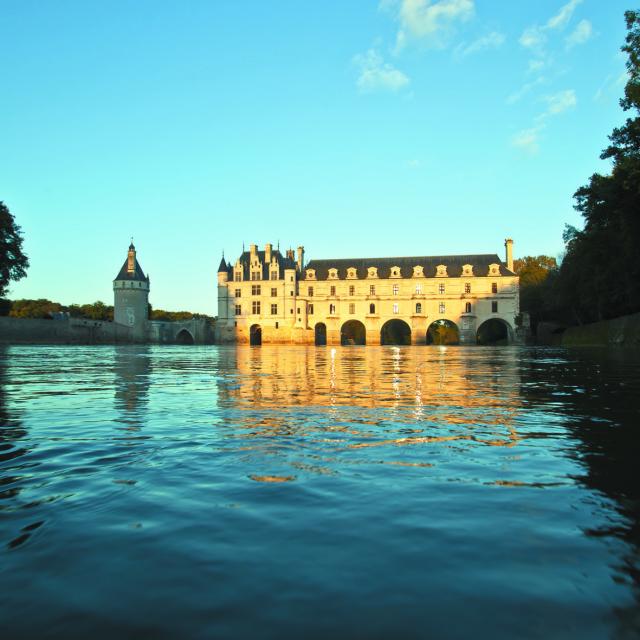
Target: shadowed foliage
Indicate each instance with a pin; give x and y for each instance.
(13, 262)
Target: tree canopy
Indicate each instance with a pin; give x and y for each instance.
(600, 275)
(13, 262)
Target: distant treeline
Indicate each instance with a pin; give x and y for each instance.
(47, 309)
(599, 275)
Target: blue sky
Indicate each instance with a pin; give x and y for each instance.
(363, 128)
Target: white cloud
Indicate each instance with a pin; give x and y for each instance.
(378, 75)
(524, 90)
(532, 37)
(560, 102)
(492, 40)
(560, 20)
(429, 21)
(527, 139)
(535, 66)
(580, 34)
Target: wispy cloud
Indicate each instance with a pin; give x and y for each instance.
(561, 19)
(516, 96)
(428, 21)
(529, 139)
(534, 37)
(377, 75)
(580, 34)
(492, 40)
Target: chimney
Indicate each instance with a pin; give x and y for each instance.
(253, 250)
(508, 245)
(267, 253)
(131, 259)
(290, 254)
(300, 260)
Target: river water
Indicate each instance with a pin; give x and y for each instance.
(290, 492)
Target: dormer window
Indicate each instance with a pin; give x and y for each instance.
(352, 273)
(418, 271)
(372, 272)
(494, 269)
(395, 272)
(273, 275)
(467, 270)
(441, 271)
(237, 276)
(333, 274)
(311, 274)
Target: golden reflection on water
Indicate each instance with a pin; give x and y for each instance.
(377, 396)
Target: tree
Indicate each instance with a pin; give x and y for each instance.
(600, 275)
(536, 276)
(13, 262)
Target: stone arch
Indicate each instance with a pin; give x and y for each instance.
(395, 331)
(184, 337)
(443, 331)
(494, 331)
(321, 334)
(353, 332)
(255, 335)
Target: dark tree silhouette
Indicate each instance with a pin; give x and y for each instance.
(13, 262)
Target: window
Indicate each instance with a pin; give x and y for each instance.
(332, 309)
(274, 292)
(352, 308)
(298, 310)
(418, 289)
(276, 325)
(310, 309)
(441, 307)
(139, 284)
(291, 293)
(238, 310)
(255, 290)
(494, 306)
(255, 275)
(255, 307)
(372, 289)
(238, 293)
(494, 287)
(237, 276)
(333, 290)
(310, 292)
(274, 309)
(467, 307)
(467, 287)
(418, 307)
(396, 307)
(352, 290)
(372, 308)
(441, 288)
(395, 289)
(274, 275)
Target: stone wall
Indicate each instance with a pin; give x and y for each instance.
(623, 331)
(66, 331)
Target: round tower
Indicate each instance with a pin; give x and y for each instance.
(131, 297)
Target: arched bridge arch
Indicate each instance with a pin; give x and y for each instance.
(395, 331)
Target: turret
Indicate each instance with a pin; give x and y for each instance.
(508, 245)
(131, 296)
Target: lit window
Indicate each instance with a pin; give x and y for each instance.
(311, 292)
(467, 287)
(352, 308)
(467, 307)
(494, 306)
(395, 289)
(238, 310)
(238, 293)
(372, 289)
(418, 289)
(352, 290)
(441, 307)
(441, 287)
(310, 309)
(418, 307)
(396, 308)
(274, 292)
(255, 307)
(255, 290)
(494, 287)
(274, 309)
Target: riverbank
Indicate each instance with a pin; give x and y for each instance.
(623, 331)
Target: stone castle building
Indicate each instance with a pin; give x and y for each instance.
(268, 297)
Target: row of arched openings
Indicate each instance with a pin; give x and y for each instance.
(398, 332)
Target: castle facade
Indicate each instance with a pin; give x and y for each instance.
(268, 297)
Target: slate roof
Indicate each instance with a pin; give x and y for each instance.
(245, 259)
(138, 274)
(454, 264)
